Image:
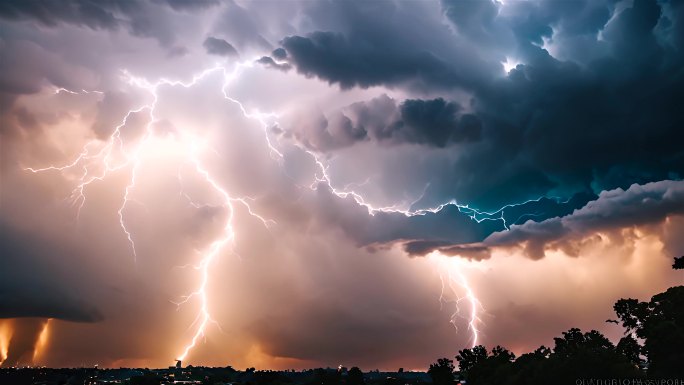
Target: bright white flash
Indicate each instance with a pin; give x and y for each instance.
(510, 64)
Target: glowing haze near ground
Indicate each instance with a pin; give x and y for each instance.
(301, 184)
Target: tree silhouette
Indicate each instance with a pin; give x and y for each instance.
(529, 368)
(326, 377)
(587, 355)
(678, 263)
(469, 358)
(574, 341)
(575, 355)
(479, 367)
(355, 376)
(442, 372)
(630, 348)
(660, 324)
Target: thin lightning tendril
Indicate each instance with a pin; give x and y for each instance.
(451, 275)
(473, 213)
(96, 165)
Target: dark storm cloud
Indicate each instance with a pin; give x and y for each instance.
(279, 54)
(554, 125)
(433, 123)
(360, 44)
(350, 61)
(216, 46)
(34, 282)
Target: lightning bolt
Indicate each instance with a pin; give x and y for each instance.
(451, 276)
(449, 269)
(474, 214)
(101, 158)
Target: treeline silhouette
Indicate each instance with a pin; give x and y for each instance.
(652, 348)
(318, 376)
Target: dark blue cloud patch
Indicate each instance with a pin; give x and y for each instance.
(543, 208)
(279, 53)
(426, 122)
(360, 62)
(436, 122)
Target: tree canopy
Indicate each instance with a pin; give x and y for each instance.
(442, 372)
(659, 323)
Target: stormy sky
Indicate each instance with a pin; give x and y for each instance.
(315, 172)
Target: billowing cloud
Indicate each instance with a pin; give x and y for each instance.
(435, 123)
(342, 60)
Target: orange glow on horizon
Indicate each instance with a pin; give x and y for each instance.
(5, 335)
(41, 343)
